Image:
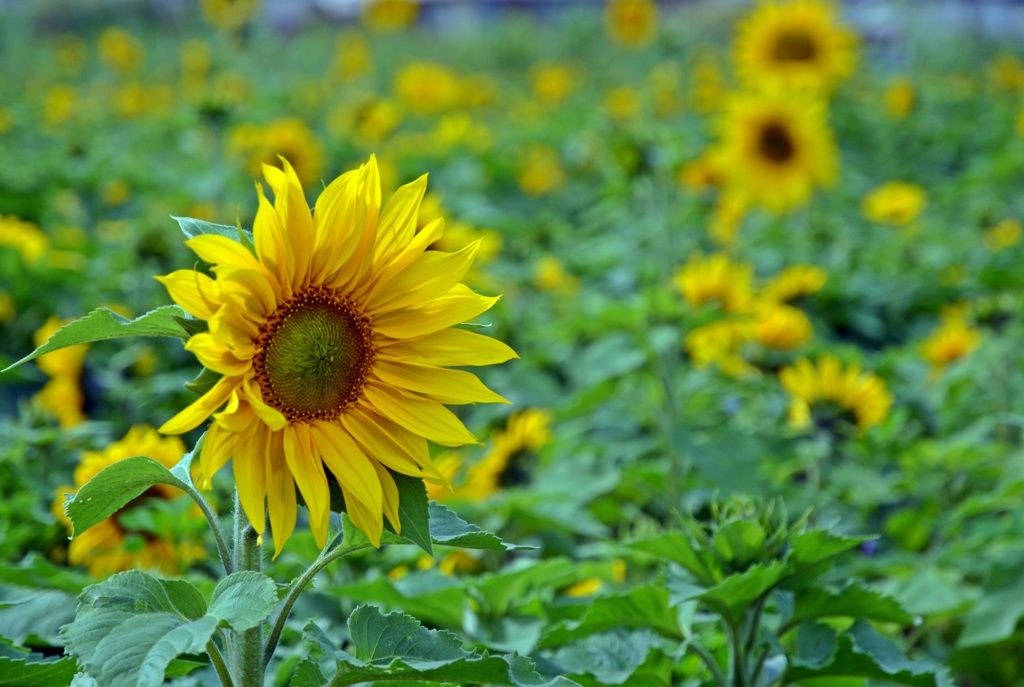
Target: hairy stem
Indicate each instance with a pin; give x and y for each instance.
(219, 665)
(248, 654)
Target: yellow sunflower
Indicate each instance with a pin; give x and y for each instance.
(632, 23)
(721, 344)
(62, 396)
(288, 137)
(527, 432)
(229, 15)
(777, 148)
(952, 340)
(716, 279)
(1003, 235)
(827, 393)
(794, 282)
(781, 326)
(795, 44)
(897, 203)
(111, 546)
(332, 338)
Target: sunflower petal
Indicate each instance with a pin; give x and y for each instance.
(194, 291)
(250, 471)
(353, 470)
(398, 220)
(446, 386)
(220, 250)
(280, 492)
(390, 492)
(432, 276)
(216, 356)
(376, 442)
(449, 347)
(308, 472)
(458, 305)
(290, 204)
(194, 415)
(272, 245)
(218, 447)
(272, 417)
(425, 417)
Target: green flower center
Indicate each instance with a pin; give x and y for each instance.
(794, 46)
(313, 355)
(775, 143)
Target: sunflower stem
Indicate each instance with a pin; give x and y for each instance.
(248, 555)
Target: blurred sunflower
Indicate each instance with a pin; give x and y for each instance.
(120, 50)
(288, 137)
(897, 203)
(229, 15)
(426, 87)
(777, 148)
(632, 23)
(549, 274)
(552, 82)
(720, 344)
(112, 546)
(781, 327)
(333, 341)
(900, 97)
(25, 237)
(794, 44)
(830, 395)
(390, 15)
(62, 396)
(526, 433)
(716, 279)
(794, 282)
(952, 340)
(540, 170)
(1005, 234)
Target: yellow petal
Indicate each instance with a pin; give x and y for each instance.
(454, 347)
(430, 277)
(429, 419)
(346, 225)
(308, 472)
(390, 492)
(249, 288)
(250, 468)
(398, 220)
(446, 386)
(218, 447)
(352, 469)
(194, 291)
(458, 305)
(280, 492)
(384, 448)
(216, 356)
(291, 206)
(229, 326)
(194, 415)
(220, 250)
(272, 417)
(419, 243)
(236, 417)
(272, 244)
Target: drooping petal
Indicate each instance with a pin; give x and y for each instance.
(390, 491)
(218, 449)
(250, 471)
(446, 386)
(383, 447)
(449, 347)
(216, 356)
(430, 277)
(458, 305)
(194, 291)
(427, 418)
(308, 472)
(398, 220)
(273, 418)
(352, 469)
(281, 501)
(194, 415)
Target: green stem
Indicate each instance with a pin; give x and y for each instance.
(218, 531)
(711, 663)
(219, 665)
(325, 559)
(248, 658)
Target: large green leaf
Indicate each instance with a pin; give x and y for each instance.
(396, 647)
(430, 596)
(641, 607)
(192, 228)
(448, 529)
(114, 487)
(413, 511)
(128, 629)
(678, 547)
(611, 657)
(102, 324)
(994, 617)
(36, 671)
(823, 653)
(852, 601)
(737, 592)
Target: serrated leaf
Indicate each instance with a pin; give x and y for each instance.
(642, 607)
(128, 629)
(852, 601)
(114, 487)
(449, 529)
(611, 657)
(192, 228)
(35, 672)
(396, 647)
(735, 594)
(861, 652)
(413, 511)
(994, 617)
(679, 548)
(430, 596)
(308, 674)
(102, 324)
(244, 599)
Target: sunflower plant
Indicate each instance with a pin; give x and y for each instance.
(326, 339)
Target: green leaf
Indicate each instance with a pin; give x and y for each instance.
(679, 548)
(203, 382)
(862, 652)
(192, 228)
(102, 324)
(642, 607)
(449, 529)
(430, 596)
(114, 487)
(34, 671)
(611, 657)
(37, 613)
(396, 647)
(128, 629)
(994, 617)
(413, 511)
(308, 674)
(852, 601)
(736, 593)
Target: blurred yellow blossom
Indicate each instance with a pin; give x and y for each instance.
(71, 53)
(549, 275)
(828, 394)
(426, 87)
(1005, 234)
(229, 15)
(287, 137)
(62, 395)
(7, 307)
(900, 97)
(526, 432)
(552, 82)
(584, 588)
(950, 341)
(665, 79)
(632, 23)
(116, 192)
(794, 282)
(716, 279)
(24, 237)
(120, 50)
(352, 57)
(703, 173)
(6, 120)
(721, 344)
(540, 170)
(390, 15)
(622, 103)
(60, 104)
(707, 83)
(727, 217)
(781, 327)
(897, 203)
(1007, 73)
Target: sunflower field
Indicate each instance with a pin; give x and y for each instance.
(621, 342)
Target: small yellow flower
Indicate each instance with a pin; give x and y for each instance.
(116, 192)
(665, 79)
(951, 341)
(631, 23)
(526, 432)
(24, 237)
(828, 393)
(794, 282)
(60, 104)
(390, 15)
(716, 279)
(7, 307)
(287, 137)
(584, 588)
(622, 103)
(782, 327)
(727, 217)
(540, 171)
(229, 15)
(900, 97)
(707, 89)
(897, 203)
(1007, 73)
(120, 50)
(352, 57)
(1005, 234)
(721, 344)
(6, 120)
(552, 82)
(426, 88)
(549, 275)
(110, 546)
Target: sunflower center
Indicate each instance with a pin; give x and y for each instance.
(313, 355)
(775, 142)
(794, 46)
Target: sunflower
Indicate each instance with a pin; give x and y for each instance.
(795, 44)
(112, 545)
(794, 282)
(777, 147)
(229, 15)
(900, 97)
(1003, 235)
(716, 279)
(24, 237)
(62, 396)
(720, 344)
(526, 433)
(332, 337)
(632, 23)
(287, 137)
(782, 327)
(897, 203)
(390, 15)
(828, 393)
(952, 340)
